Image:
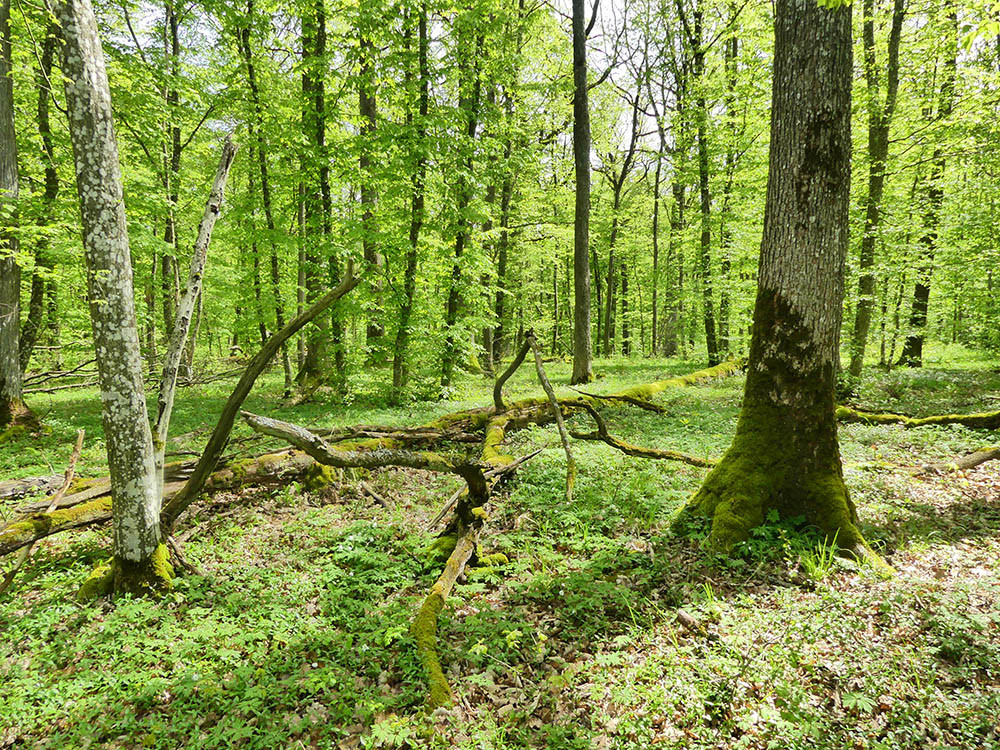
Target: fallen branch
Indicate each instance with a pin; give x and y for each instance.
(25, 551)
(511, 369)
(379, 458)
(638, 402)
(989, 420)
(964, 463)
(635, 450)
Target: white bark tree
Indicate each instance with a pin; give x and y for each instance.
(140, 559)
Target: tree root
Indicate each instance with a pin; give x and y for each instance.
(989, 420)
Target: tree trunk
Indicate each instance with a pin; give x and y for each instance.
(913, 347)
(374, 331)
(399, 360)
(879, 119)
(785, 455)
(583, 368)
(140, 556)
(469, 105)
(265, 189)
(12, 408)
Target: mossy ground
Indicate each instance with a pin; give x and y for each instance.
(299, 633)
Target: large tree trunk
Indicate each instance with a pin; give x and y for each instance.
(140, 556)
(879, 119)
(583, 369)
(913, 347)
(785, 455)
(12, 408)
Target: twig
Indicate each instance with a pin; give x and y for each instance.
(375, 496)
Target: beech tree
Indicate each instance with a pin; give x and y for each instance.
(785, 455)
(140, 557)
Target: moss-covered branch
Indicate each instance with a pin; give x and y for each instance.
(989, 420)
(964, 463)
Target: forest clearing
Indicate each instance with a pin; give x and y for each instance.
(405, 374)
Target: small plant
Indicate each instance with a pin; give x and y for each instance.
(817, 562)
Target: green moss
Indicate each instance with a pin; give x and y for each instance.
(440, 549)
(98, 584)
(423, 630)
(150, 577)
(319, 476)
(494, 560)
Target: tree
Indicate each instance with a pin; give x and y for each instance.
(12, 407)
(140, 558)
(583, 371)
(913, 348)
(785, 456)
(879, 120)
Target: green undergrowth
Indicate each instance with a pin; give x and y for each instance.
(595, 624)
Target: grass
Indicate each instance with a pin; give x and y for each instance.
(297, 634)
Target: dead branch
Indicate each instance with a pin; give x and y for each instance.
(964, 463)
(224, 427)
(638, 402)
(635, 450)
(557, 410)
(511, 369)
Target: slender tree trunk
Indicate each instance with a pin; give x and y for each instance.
(583, 368)
(257, 132)
(374, 331)
(140, 556)
(172, 168)
(879, 119)
(44, 262)
(785, 454)
(626, 334)
(913, 347)
(469, 105)
(399, 361)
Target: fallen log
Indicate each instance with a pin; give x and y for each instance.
(989, 420)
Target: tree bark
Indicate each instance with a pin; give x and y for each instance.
(374, 330)
(12, 407)
(138, 550)
(879, 120)
(785, 456)
(583, 368)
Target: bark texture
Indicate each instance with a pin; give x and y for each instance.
(135, 496)
(785, 455)
(12, 407)
(583, 368)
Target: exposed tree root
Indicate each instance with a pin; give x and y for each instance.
(989, 420)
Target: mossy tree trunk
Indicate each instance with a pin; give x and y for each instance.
(139, 556)
(785, 455)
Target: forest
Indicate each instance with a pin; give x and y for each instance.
(500, 374)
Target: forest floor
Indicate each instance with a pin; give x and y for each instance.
(296, 636)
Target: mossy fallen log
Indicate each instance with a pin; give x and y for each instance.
(989, 420)
(964, 463)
